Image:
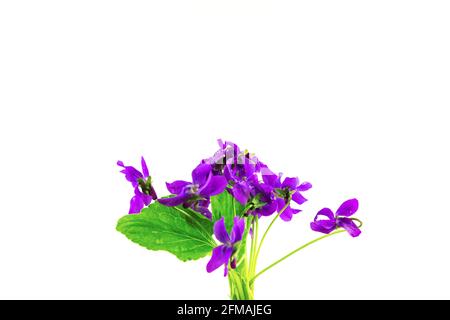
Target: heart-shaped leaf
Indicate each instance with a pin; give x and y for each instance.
(182, 232)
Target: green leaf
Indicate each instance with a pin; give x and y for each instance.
(182, 232)
(224, 205)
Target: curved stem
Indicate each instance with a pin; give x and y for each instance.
(359, 221)
(267, 230)
(295, 251)
(303, 247)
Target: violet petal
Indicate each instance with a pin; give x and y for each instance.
(324, 226)
(326, 212)
(174, 201)
(290, 183)
(238, 229)
(144, 168)
(348, 208)
(220, 256)
(240, 193)
(214, 186)
(131, 174)
(177, 186)
(298, 198)
(201, 173)
(349, 225)
(136, 204)
(220, 231)
(304, 186)
(287, 214)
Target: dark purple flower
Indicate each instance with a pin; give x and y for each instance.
(241, 169)
(340, 219)
(242, 175)
(196, 194)
(263, 201)
(222, 254)
(241, 178)
(142, 184)
(290, 188)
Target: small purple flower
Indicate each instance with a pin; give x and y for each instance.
(196, 194)
(241, 178)
(142, 184)
(263, 201)
(242, 175)
(222, 254)
(290, 188)
(340, 219)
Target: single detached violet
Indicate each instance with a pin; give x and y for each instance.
(340, 219)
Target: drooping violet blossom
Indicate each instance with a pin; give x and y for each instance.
(290, 188)
(340, 219)
(262, 201)
(224, 254)
(196, 194)
(144, 192)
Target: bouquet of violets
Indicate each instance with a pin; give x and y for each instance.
(217, 214)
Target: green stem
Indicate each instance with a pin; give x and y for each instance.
(237, 285)
(250, 254)
(241, 289)
(252, 266)
(231, 287)
(256, 244)
(303, 247)
(267, 230)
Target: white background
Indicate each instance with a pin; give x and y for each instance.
(350, 95)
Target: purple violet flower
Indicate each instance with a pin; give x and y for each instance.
(340, 219)
(241, 173)
(290, 188)
(241, 177)
(222, 254)
(196, 194)
(142, 184)
(263, 201)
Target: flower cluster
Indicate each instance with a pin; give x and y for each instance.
(259, 190)
(253, 184)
